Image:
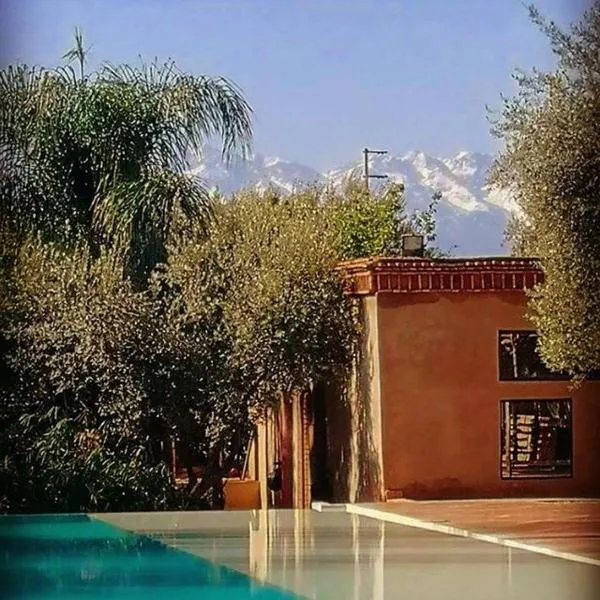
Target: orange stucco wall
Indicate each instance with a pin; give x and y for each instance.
(440, 399)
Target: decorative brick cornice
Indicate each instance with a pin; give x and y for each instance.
(417, 275)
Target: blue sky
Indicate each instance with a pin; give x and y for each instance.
(325, 78)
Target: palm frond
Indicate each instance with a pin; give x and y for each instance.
(192, 108)
(137, 218)
(109, 152)
(78, 53)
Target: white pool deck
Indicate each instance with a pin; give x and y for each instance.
(339, 555)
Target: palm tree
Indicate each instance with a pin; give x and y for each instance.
(105, 155)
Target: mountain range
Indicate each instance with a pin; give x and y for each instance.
(471, 217)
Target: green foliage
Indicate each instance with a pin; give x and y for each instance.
(551, 130)
(75, 412)
(370, 224)
(283, 299)
(98, 371)
(92, 162)
(104, 156)
(263, 280)
(128, 317)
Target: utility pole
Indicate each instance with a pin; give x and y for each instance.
(367, 175)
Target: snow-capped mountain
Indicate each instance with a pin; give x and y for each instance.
(258, 171)
(471, 218)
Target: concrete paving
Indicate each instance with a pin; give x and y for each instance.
(340, 556)
(561, 526)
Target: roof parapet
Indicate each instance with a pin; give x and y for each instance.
(374, 275)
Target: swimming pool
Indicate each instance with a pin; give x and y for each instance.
(272, 554)
(74, 556)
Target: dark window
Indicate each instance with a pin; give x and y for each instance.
(518, 358)
(536, 439)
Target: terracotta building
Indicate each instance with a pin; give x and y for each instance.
(448, 398)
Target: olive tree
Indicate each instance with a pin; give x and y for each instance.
(262, 292)
(551, 158)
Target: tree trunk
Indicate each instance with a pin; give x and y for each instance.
(209, 491)
(188, 463)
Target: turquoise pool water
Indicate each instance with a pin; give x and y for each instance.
(74, 556)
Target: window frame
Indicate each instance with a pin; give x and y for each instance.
(502, 432)
(551, 377)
